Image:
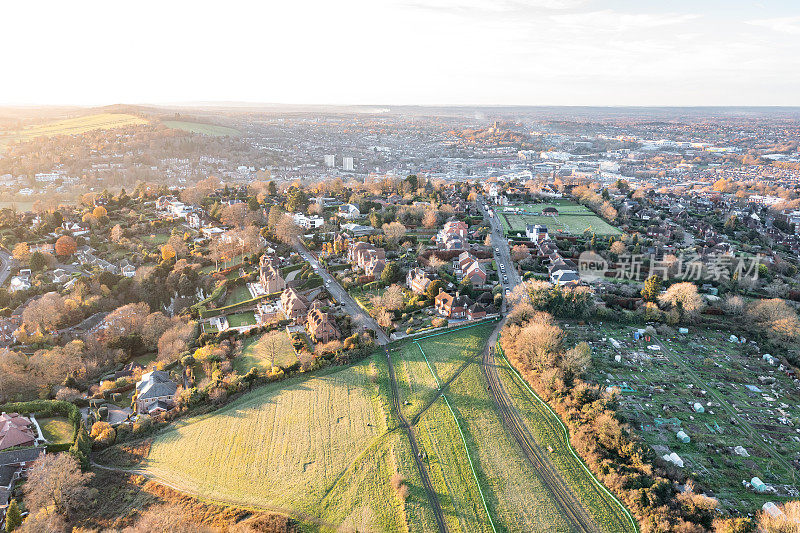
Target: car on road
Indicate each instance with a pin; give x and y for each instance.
(505, 279)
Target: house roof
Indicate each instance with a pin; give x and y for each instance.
(155, 384)
(24, 455)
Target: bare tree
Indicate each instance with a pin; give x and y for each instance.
(394, 232)
(393, 297)
(286, 230)
(56, 480)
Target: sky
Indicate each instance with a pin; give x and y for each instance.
(422, 52)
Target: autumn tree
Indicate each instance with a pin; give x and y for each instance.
(174, 341)
(116, 233)
(394, 231)
(99, 212)
(777, 318)
(56, 481)
(684, 298)
(65, 246)
(167, 252)
(652, 288)
(46, 312)
(430, 219)
(393, 298)
(519, 253)
(22, 253)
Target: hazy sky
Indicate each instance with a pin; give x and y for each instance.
(537, 52)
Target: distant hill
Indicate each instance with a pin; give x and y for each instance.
(76, 126)
(200, 127)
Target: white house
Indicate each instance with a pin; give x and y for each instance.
(349, 211)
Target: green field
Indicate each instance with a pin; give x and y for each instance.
(257, 352)
(156, 238)
(318, 448)
(547, 431)
(517, 499)
(572, 219)
(199, 127)
(78, 125)
(56, 430)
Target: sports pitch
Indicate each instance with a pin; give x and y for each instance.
(570, 219)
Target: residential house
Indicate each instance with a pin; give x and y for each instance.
(270, 275)
(308, 222)
(15, 464)
(320, 326)
(453, 236)
(450, 306)
(476, 311)
(349, 211)
(293, 304)
(467, 267)
(536, 233)
(418, 280)
(16, 430)
(361, 254)
(374, 267)
(155, 393)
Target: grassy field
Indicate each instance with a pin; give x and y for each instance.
(257, 351)
(78, 125)
(548, 433)
(156, 238)
(198, 127)
(315, 447)
(56, 430)
(572, 219)
(516, 497)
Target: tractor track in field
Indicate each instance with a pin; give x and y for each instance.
(569, 505)
(433, 498)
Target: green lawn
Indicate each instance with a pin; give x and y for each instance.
(257, 352)
(56, 430)
(516, 497)
(318, 447)
(199, 127)
(237, 293)
(156, 238)
(247, 318)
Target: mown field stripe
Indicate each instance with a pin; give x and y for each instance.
(569, 443)
(463, 439)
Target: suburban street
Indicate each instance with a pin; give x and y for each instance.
(502, 252)
(359, 316)
(5, 265)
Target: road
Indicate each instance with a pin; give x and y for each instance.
(5, 265)
(359, 316)
(509, 277)
(570, 506)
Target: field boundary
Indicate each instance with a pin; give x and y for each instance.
(616, 500)
(458, 426)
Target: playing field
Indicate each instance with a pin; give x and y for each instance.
(571, 219)
(78, 125)
(517, 499)
(316, 448)
(198, 127)
(257, 352)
